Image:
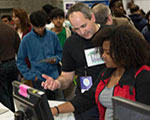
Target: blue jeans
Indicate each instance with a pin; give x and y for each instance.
(8, 73)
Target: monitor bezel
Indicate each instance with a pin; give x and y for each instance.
(134, 105)
(38, 106)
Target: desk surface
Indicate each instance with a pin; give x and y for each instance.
(65, 116)
(8, 115)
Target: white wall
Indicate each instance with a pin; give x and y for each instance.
(143, 4)
(29, 5)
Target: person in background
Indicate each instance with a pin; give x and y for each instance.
(7, 19)
(57, 17)
(22, 25)
(142, 13)
(137, 18)
(103, 16)
(146, 29)
(78, 51)
(117, 8)
(10, 41)
(43, 50)
(126, 74)
(21, 21)
(47, 9)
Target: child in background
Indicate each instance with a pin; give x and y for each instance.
(57, 17)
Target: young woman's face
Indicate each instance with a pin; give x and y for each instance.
(15, 19)
(106, 55)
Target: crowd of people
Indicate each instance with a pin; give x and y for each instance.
(106, 50)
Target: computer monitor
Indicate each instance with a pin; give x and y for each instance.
(31, 103)
(125, 109)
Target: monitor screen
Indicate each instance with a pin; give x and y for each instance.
(125, 109)
(31, 103)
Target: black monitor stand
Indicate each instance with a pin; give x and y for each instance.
(20, 115)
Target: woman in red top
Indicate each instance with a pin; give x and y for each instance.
(21, 21)
(126, 55)
(22, 25)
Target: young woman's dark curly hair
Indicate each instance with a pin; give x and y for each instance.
(127, 47)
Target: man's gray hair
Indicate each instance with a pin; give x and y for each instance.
(101, 13)
(80, 7)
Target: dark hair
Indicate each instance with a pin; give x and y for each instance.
(112, 3)
(57, 13)
(127, 47)
(94, 4)
(6, 16)
(147, 15)
(142, 12)
(38, 18)
(47, 8)
(134, 8)
(24, 19)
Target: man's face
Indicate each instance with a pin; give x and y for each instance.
(5, 20)
(83, 26)
(58, 21)
(118, 9)
(39, 30)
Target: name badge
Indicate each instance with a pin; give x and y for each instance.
(86, 83)
(93, 57)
